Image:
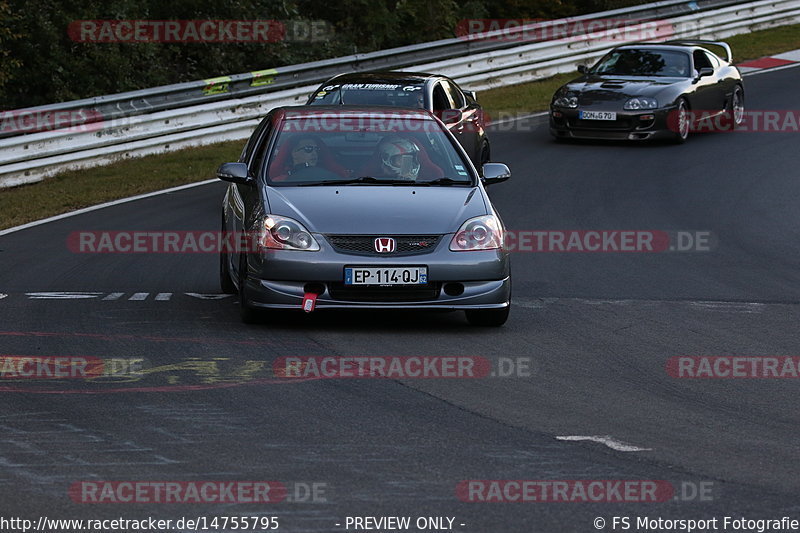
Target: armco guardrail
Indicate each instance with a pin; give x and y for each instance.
(258, 82)
(476, 64)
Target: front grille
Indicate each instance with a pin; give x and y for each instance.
(340, 291)
(365, 244)
(621, 124)
(600, 134)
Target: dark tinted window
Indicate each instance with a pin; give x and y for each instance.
(643, 62)
(381, 94)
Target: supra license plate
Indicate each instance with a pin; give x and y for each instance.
(385, 275)
(597, 115)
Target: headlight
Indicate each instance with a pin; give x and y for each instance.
(640, 102)
(567, 100)
(479, 233)
(283, 233)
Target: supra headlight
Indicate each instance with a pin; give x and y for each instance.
(569, 100)
(283, 233)
(479, 233)
(640, 102)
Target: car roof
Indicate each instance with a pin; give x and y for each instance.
(683, 46)
(675, 47)
(384, 77)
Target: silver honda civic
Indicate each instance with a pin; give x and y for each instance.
(372, 208)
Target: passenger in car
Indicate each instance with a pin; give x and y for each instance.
(301, 152)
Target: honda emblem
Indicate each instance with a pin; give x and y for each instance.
(385, 245)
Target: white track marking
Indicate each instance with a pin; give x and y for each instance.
(114, 296)
(207, 296)
(729, 307)
(62, 295)
(139, 296)
(2, 295)
(163, 296)
(606, 440)
(103, 206)
(522, 117)
(773, 69)
(794, 55)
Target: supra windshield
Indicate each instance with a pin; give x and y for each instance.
(374, 149)
(380, 94)
(644, 62)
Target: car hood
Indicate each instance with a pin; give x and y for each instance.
(370, 209)
(614, 88)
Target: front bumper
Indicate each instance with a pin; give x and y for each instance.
(456, 280)
(629, 125)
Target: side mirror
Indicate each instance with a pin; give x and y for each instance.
(705, 71)
(234, 173)
(450, 116)
(583, 69)
(471, 94)
(495, 173)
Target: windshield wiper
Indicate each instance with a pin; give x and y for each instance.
(443, 181)
(362, 179)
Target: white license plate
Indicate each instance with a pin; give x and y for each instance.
(385, 275)
(597, 115)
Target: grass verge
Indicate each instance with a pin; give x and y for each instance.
(77, 189)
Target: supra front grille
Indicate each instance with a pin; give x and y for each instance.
(621, 124)
(340, 291)
(365, 244)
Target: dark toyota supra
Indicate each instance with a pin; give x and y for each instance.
(649, 90)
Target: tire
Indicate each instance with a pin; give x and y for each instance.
(247, 314)
(225, 282)
(488, 317)
(736, 107)
(682, 122)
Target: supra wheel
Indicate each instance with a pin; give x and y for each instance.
(488, 317)
(681, 122)
(736, 107)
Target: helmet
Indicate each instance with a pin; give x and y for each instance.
(400, 158)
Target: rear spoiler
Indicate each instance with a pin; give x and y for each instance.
(726, 46)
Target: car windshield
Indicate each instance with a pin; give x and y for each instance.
(376, 149)
(409, 95)
(643, 62)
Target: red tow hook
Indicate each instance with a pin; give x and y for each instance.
(309, 301)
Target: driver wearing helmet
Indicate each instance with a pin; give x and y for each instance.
(399, 158)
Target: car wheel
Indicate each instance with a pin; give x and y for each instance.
(225, 281)
(488, 317)
(486, 153)
(682, 119)
(736, 108)
(248, 314)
